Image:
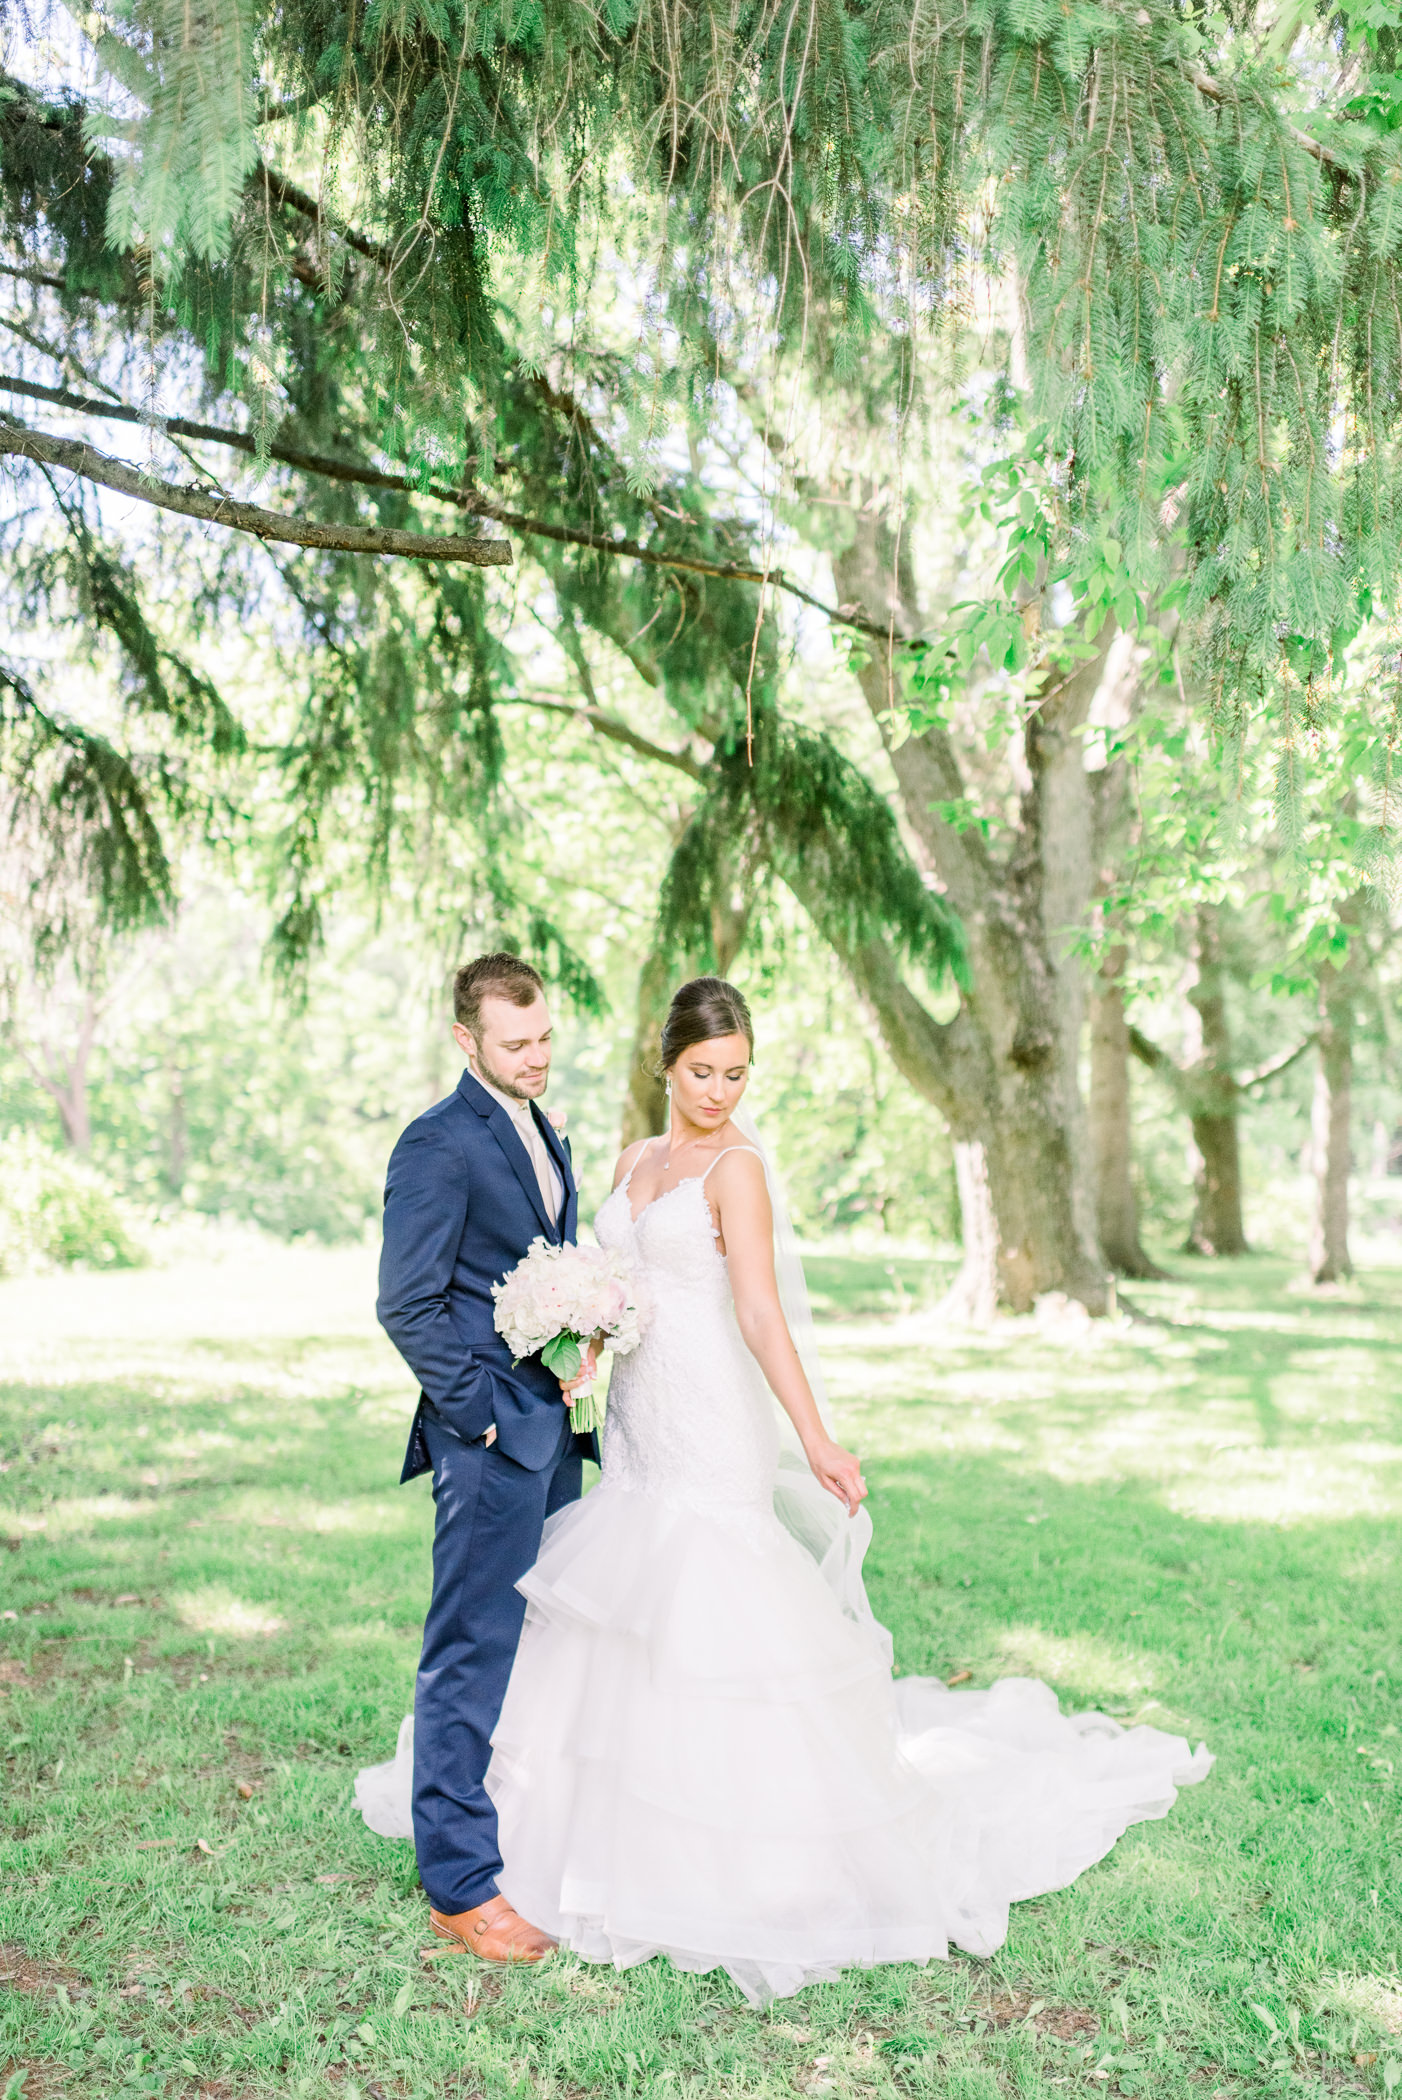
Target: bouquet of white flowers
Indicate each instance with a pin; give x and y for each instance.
(554, 1300)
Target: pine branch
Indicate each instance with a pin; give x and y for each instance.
(93, 811)
(612, 726)
(18, 441)
(468, 500)
(1325, 155)
(281, 189)
(28, 273)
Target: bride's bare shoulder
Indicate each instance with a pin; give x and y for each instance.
(629, 1159)
(737, 1176)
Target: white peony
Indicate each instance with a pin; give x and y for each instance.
(556, 1299)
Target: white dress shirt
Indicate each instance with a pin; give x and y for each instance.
(552, 1189)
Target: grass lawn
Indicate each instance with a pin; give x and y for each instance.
(211, 1600)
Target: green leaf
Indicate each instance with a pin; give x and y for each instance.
(562, 1356)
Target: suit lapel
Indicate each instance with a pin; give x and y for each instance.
(523, 1166)
(508, 1138)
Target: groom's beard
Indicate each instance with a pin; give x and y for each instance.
(510, 1087)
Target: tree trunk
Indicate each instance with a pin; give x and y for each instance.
(1333, 1113)
(645, 1103)
(66, 1080)
(1058, 819)
(177, 1155)
(1116, 1204)
(1217, 1226)
(1116, 1207)
(72, 1104)
(972, 1298)
(1024, 1154)
(1005, 1073)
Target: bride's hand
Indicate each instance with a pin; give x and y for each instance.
(839, 1473)
(585, 1374)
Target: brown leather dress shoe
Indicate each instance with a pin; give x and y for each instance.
(494, 1931)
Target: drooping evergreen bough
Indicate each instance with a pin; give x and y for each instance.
(379, 239)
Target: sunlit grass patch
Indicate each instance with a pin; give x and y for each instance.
(1096, 1668)
(215, 1609)
(362, 1515)
(75, 1516)
(1376, 1999)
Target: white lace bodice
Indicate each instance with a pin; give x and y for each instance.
(689, 1414)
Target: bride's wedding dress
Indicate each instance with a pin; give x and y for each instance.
(703, 1752)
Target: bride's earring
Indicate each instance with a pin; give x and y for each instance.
(669, 1089)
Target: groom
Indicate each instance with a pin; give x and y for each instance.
(471, 1183)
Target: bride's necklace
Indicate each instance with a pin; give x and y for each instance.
(667, 1162)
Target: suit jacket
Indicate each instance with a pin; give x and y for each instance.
(462, 1205)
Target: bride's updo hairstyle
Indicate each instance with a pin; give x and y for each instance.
(700, 1011)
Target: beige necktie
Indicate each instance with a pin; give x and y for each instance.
(551, 1187)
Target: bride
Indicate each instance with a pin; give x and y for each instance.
(702, 1751)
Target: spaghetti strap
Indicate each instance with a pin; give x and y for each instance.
(722, 1155)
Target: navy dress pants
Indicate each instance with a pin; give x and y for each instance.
(489, 1517)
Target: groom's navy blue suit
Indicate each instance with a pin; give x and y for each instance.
(462, 1205)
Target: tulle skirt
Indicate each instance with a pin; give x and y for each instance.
(701, 1755)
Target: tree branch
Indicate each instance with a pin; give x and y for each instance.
(28, 274)
(1167, 1067)
(1216, 92)
(604, 724)
(469, 500)
(925, 1051)
(243, 441)
(1276, 1065)
(1150, 1054)
(281, 189)
(79, 458)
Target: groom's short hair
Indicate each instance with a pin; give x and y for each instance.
(492, 977)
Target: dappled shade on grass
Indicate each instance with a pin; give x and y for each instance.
(217, 1590)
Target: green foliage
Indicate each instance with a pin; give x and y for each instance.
(208, 1098)
(1205, 299)
(796, 806)
(521, 254)
(58, 1212)
(192, 64)
(55, 194)
(86, 814)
